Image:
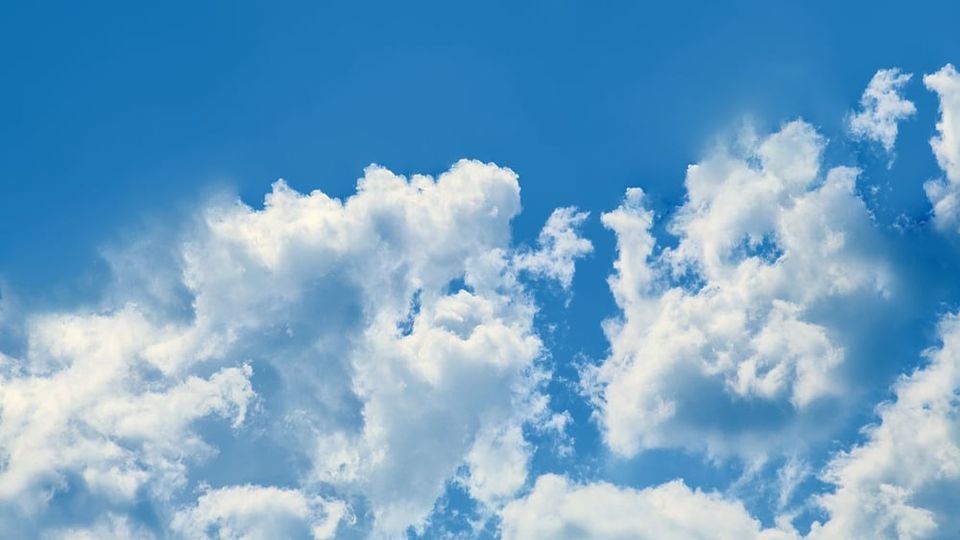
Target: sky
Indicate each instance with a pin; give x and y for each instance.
(463, 270)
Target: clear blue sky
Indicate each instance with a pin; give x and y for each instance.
(119, 120)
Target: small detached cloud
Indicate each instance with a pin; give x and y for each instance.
(882, 107)
(560, 246)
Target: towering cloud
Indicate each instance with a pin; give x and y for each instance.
(943, 193)
(372, 350)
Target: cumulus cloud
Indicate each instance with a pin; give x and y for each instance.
(383, 344)
(83, 407)
(764, 238)
(110, 526)
(560, 247)
(367, 354)
(259, 513)
(903, 481)
(943, 193)
(498, 463)
(558, 509)
(882, 107)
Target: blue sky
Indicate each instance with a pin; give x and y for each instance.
(128, 134)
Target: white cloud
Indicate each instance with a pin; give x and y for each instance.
(80, 404)
(882, 108)
(111, 526)
(394, 325)
(944, 194)
(557, 509)
(903, 481)
(385, 345)
(259, 513)
(561, 246)
(720, 320)
(498, 464)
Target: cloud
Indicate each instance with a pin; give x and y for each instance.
(903, 481)
(882, 107)
(943, 193)
(110, 526)
(721, 322)
(560, 247)
(384, 345)
(557, 509)
(498, 463)
(369, 354)
(259, 513)
(82, 407)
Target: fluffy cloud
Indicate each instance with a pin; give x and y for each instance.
(764, 238)
(557, 509)
(110, 526)
(83, 407)
(944, 194)
(384, 344)
(903, 481)
(560, 247)
(882, 107)
(259, 513)
(368, 353)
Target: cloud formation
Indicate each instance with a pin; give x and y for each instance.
(384, 345)
(259, 513)
(903, 482)
(882, 107)
(558, 509)
(763, 239)
(363, 359)
(943, 193)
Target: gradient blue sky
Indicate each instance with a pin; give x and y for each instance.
(121, 120)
